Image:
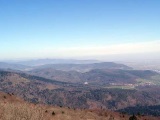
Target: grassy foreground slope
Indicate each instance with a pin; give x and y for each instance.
(13, 108)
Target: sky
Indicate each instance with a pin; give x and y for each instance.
(32, 29)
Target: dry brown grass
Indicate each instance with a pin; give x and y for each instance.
(27, 111)
(19, 111)
(13, 108)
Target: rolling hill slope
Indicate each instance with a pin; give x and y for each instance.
(74, 95)
(85, 67)
(101, 77)
(4, 65)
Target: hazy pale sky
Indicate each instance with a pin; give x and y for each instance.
(78, 28)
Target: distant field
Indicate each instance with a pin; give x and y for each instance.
(120, 87)
(154, 79)
(139, 80)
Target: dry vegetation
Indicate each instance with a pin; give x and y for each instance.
(26, 111)
(13, 108)
(16, 111)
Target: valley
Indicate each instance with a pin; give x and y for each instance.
(110, 88)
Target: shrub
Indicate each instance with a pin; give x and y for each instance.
(53, 113)
(133, 117)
